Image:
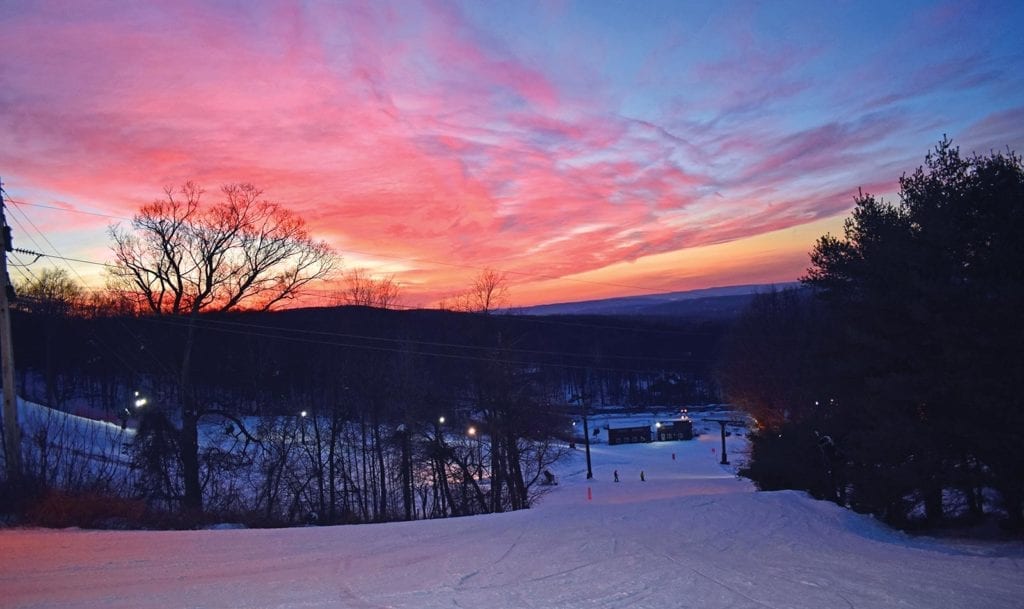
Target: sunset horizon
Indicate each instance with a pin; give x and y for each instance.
(584, 150)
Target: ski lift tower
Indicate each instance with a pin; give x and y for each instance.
(722, 423)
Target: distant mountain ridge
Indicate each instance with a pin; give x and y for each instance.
(719, 302)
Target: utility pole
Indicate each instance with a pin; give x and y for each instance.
(12, 434)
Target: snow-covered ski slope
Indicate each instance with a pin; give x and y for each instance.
(692, 535)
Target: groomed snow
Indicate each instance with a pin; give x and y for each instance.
(692, 535)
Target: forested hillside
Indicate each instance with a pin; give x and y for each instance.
(354, 414)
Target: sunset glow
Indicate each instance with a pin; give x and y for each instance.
(588, 149)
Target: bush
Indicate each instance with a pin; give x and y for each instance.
(90, 510)
(791, 458)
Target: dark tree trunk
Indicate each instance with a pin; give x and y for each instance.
(497, 473)
(382, 475)
(193, 499)
(407, 490)
(332, 483)
(189, 444)
(517, 486)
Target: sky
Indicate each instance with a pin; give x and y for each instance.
(587, 149)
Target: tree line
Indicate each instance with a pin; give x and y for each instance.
(891, 382)
(333, 414)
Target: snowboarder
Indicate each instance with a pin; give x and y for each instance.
(616, 474)
(642, 477)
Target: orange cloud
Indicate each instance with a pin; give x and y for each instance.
(425, 140)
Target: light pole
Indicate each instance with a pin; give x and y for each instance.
(440, 469)
(479, 455)
(438, 439)
(126, 413)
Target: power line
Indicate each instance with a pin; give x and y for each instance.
(27, 234)
(328, 294)
(65, 258)
(52, 247)
(24, 268)
(528, 319)
(533, 319)
(551, 319)
(74, 211)
(28, 253)
(542, 276)
(520, 318)
(12, 430)
(508, 272)
(325, 294)
(21, 271)
(262, 327)
(66, 261)
(170, 321)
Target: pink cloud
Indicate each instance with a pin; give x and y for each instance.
(408, 131)
(994, 131)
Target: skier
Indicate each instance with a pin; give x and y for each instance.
(642, 477)
(125, 414)
(616, 474)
